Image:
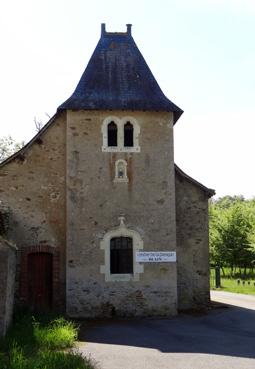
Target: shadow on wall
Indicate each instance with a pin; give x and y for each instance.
(228, 331)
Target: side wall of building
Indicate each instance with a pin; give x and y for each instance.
(7, 281)
(192, 245)
(33, 186)
(94, 204)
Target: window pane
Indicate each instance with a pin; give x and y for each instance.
(121, 255)
(112, 134)
(128, 135)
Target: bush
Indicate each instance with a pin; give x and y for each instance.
(17, 358)
(59, 334)
(44, 360)
(60, 360)
(30, 344)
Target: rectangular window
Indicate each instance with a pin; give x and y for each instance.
(121, 255)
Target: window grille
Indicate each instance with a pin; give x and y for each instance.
(121, 255)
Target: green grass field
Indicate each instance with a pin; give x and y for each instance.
(237, 283)
(231, 285)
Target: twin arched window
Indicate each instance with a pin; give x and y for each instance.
(120, 134)
(112, 134)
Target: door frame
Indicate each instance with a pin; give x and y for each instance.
(24, 291)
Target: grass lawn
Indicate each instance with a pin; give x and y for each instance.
(41, 343)
(237, 283)
(231, 285)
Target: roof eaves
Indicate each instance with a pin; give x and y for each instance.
(209, 191)
(30, 143)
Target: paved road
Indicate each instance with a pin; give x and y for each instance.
(235, 299)
(224, 338)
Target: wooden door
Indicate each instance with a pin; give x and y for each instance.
(40, 281)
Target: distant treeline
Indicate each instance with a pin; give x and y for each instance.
(232, 232)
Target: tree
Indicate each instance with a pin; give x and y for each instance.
(39, 123)
(232, 232)
(8, 146)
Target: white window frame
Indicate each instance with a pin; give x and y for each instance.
(125, 177)
(120, 122)
(121, 231)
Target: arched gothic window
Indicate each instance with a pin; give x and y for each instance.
(128, 135)
(112, 131)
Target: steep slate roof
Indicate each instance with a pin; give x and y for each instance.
(117, 77)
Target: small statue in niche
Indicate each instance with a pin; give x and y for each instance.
(121, 171)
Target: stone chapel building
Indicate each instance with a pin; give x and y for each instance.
(104, 222)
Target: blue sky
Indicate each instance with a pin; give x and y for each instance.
(202, 53)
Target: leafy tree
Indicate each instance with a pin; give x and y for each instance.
(217, 248)
(8, 146)
(227, 201)
(232, 232)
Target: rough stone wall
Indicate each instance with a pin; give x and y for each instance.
(192, 245)
(7, 282)
(94, 203)
(33, 186)
(62, 194)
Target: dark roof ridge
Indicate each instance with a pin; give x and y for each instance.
(209, 191)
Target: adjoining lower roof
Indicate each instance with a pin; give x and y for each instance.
(118, 78)
(20, 153)
(209, 191)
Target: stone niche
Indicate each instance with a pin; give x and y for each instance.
(7, 281)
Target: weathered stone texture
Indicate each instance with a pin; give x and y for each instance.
(7, 281)
(63, 200)
(33, 186)
(192, 245)
(94, 203)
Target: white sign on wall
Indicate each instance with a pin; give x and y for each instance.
(156, 256)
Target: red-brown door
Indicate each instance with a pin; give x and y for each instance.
(40, 280)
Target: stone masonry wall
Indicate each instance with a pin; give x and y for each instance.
(94, 203)
(33, 187)
(192, 245)
(62, 196)
(7, 281)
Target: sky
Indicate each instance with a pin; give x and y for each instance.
(202, 53)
